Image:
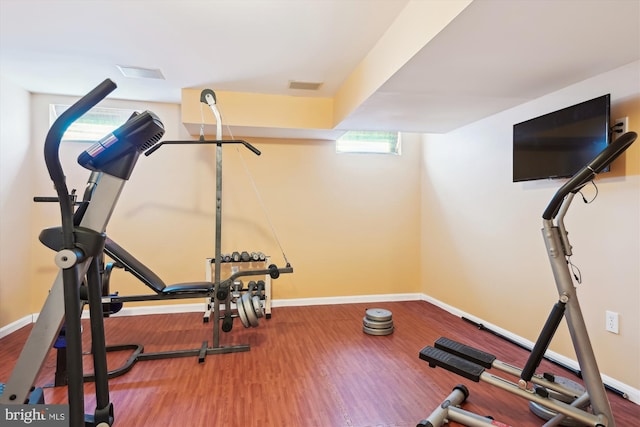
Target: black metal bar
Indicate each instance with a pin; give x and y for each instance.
(263, 272)
(52, 156)
(203, 351)
(74, 346)
(218, 246)
(193, 352)
(152, 297)
(207, 141)
(543, 341)
(587, 173)
(98, 348)
(126, 367)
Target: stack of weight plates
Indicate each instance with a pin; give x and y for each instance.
(377, 321)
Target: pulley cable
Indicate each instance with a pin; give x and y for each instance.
(217, 113)
(260, 200)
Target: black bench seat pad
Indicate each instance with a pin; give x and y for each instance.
(189, 287)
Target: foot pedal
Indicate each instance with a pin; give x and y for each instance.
(469, 353)
(451, 362)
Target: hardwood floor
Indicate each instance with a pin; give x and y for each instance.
(310, 366)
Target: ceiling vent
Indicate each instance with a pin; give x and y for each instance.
(293, 84)
(140, 73)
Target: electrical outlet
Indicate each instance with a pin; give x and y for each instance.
(624, 128)
(612, 322)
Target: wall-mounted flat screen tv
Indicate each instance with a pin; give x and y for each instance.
(559, 144)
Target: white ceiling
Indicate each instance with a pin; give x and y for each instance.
(494, 55)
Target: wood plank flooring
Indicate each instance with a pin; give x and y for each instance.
(307, 366)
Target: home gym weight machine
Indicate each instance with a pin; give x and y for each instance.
(248, 306)
(550, 399)
(79, 244)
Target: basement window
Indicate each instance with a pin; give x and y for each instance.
(93, 125)
(369, 142)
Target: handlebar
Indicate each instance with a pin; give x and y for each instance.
(588, 172)
(220, 141)
(52, 155)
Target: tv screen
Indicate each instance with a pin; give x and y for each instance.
(559, 144)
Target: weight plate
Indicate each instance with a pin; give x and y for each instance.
(241, 314)
(546, 414)
(372, 331)
(373, 324)
(378, 314)
(248, 309)
(257, 307)
(575, 388)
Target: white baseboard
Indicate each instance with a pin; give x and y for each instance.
(14, 326)
(156, 309)
(356, 299)
(631, 393)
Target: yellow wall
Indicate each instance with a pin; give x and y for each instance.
(347, 223)
(628, 107)
(259, 110)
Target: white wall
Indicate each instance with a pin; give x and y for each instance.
(16, 176)
(482, 249)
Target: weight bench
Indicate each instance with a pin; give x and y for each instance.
(123, 259)
(112, 303)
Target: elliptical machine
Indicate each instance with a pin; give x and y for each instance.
(472, 363)
(79, 243)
